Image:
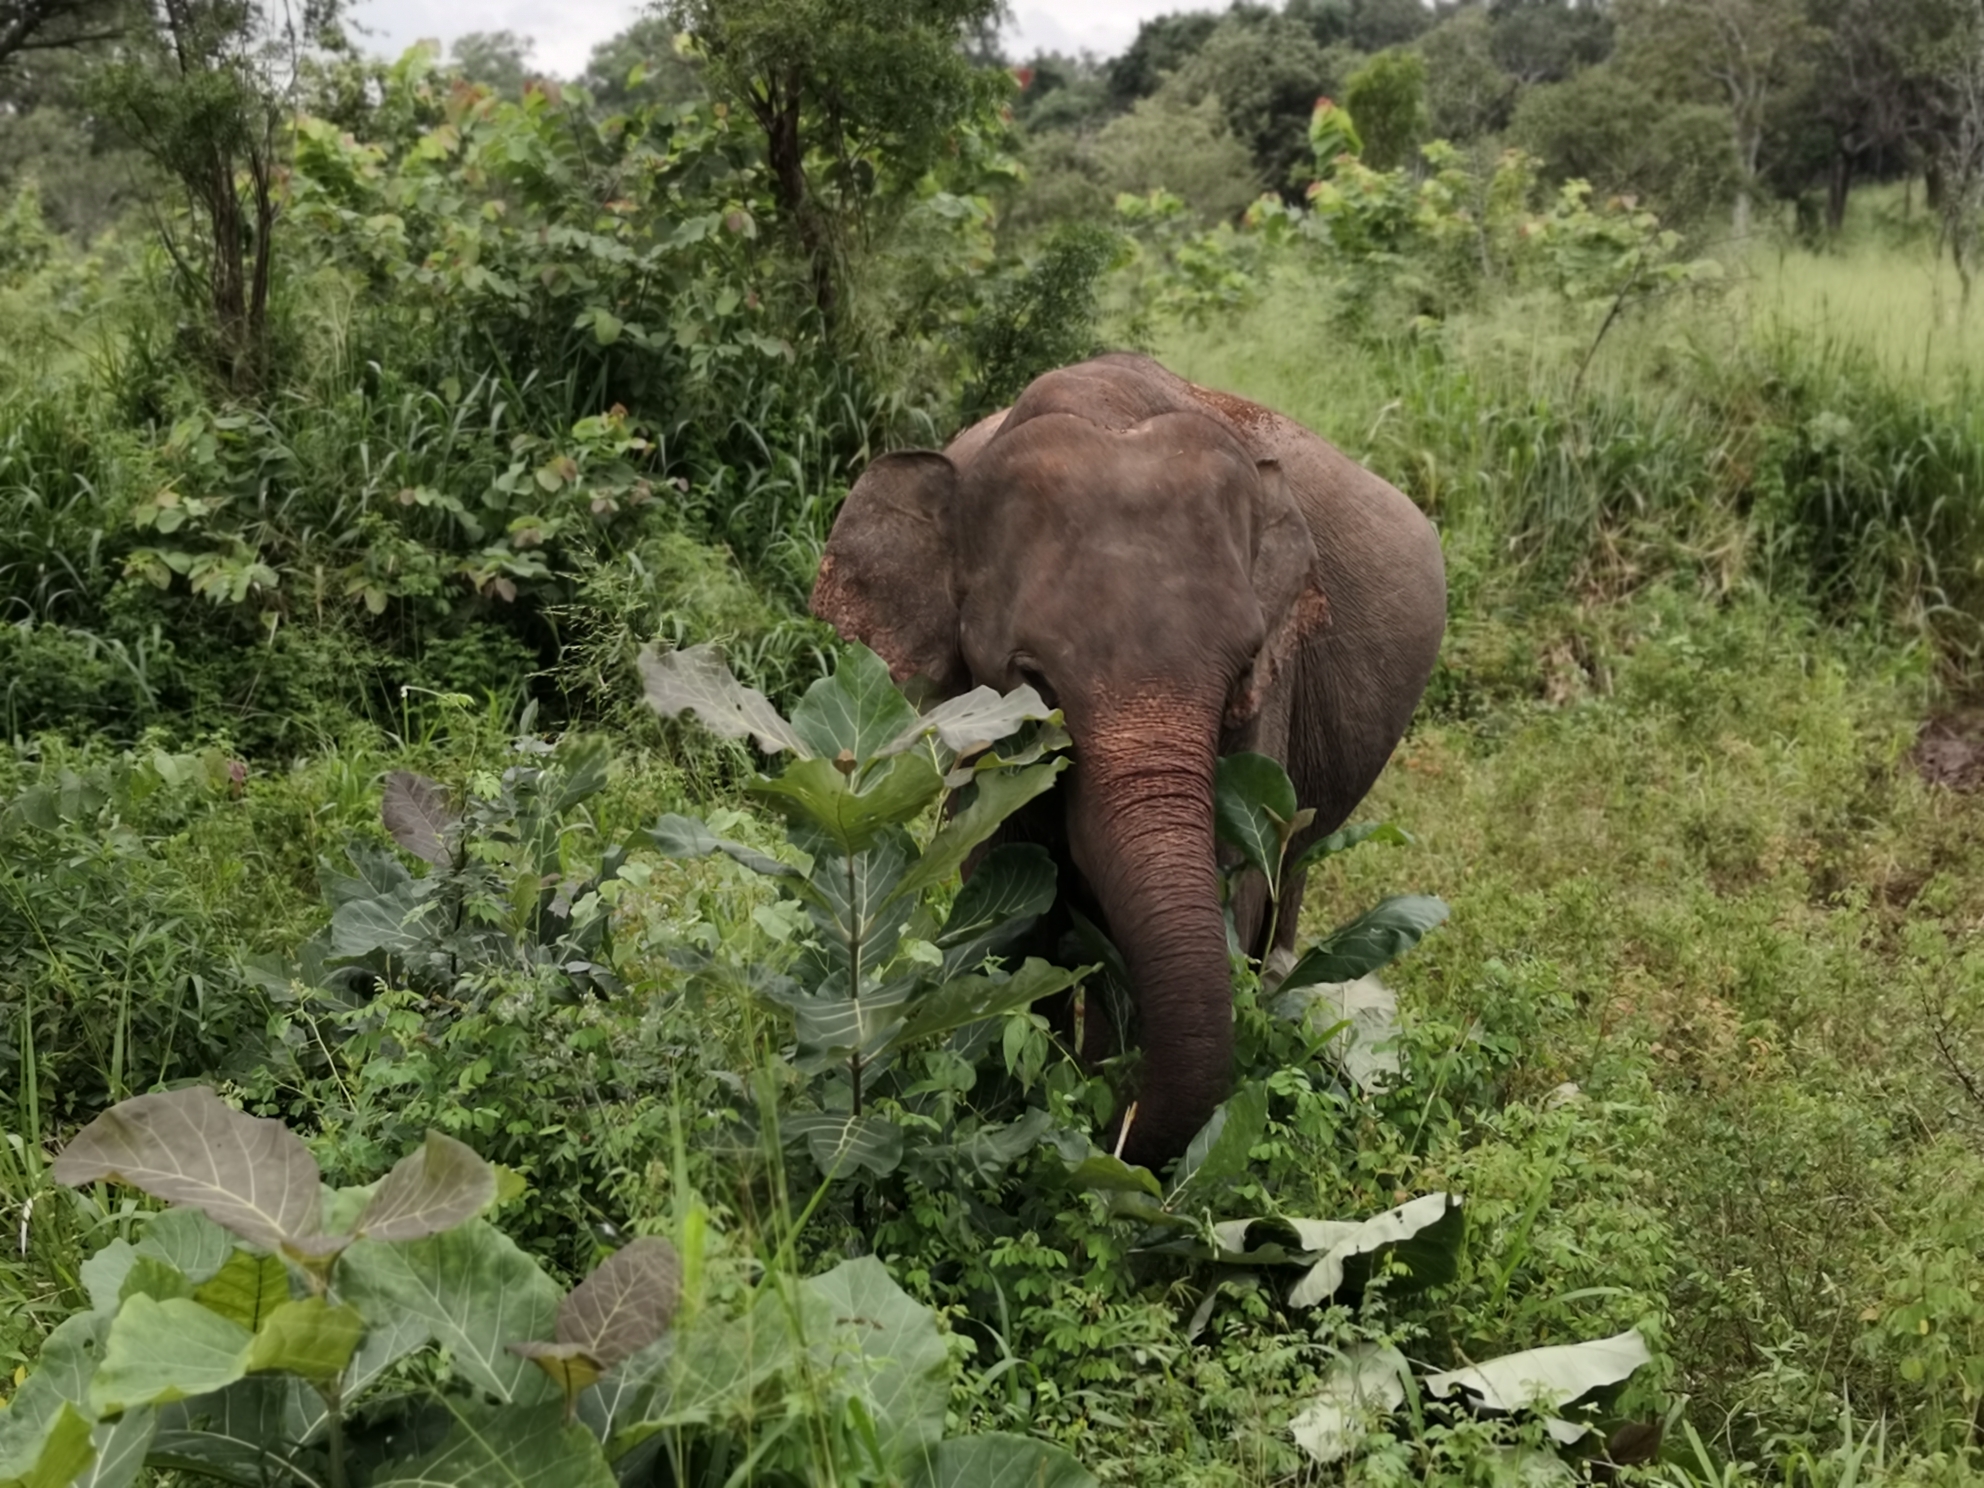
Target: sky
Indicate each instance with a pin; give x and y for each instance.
(565, 31)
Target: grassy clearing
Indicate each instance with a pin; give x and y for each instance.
(1677, 812)
(1710, 857)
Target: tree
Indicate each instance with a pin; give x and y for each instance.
(1059, 92)
(1162, 45)
(1546, 41)
(50, 137)
(499, 60)
(47, 25)
(1605, 127)
(1748, 51)
(1952, 67)
(1328, 20)
(1166, 142)
(856, 98)
(1467, 92)
(1184, 147)
(1387, 101)
(1267, 72)
(1376, 25)
(647, 49)
(205, 96)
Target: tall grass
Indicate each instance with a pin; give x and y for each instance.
(1709, 438)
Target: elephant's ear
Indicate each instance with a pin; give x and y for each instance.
(1287, 585)
(885, 579)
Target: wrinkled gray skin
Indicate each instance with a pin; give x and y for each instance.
(1186, 574)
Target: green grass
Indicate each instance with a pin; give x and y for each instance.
(1663, 783)
(1705, 837)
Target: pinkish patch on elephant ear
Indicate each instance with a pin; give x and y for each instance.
(838, 600)
(885, 577)
(1309, 613)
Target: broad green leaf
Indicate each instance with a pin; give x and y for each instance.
(419, 817)
(1218, 1151)
(840, 1143)
(395, 923)
(717, 1366)
(60, 1382)
(245, 1434)
(154, 1279)
(622, 1394)
(188, 1241)
(1000, 794)
(379, 872)
(1041, 742)
(870, 1341)
(250, 1176)
(1365, 1015)
(103, 1275)
(1531, 1467)
(580, 774)
(1107, 1173)
(815, 791)
(1014, 879)
(857, 710)
(829, 1029)
(387, 1340)
(971, 999)
(1375, 937)
(986, 1152)
(1546, 1379)
(695, 680)
(570, 1366)
(850, 900)
(626, 1304)
(474, 1290)
(507, 1447)
(247, 1289)
(160, 1351)
(999, 1459)
(1011, 885)
(1424, 1234)
(62, 1452)
(300, 1413)
(686, 837)
(308, 1337)
(439, 1185)
(1368, 1380)
(1342, 840)
(120, 1448)
(1254, 809)
(979, 718)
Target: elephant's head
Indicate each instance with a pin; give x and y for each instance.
(1147, 581)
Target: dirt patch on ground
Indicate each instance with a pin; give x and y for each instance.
(1950, 751)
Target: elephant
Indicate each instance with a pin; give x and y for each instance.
(1185, 574)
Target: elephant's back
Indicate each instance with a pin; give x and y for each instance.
(1118, 392)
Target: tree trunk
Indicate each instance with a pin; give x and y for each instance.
(1748, 141)
(778, 115)
(1140, 828)
(1838, 183)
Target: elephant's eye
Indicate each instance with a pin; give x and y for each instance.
(1030, 674)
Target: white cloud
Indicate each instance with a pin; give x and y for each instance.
(566, 31)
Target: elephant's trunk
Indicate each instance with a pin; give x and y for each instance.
(1141, 831)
